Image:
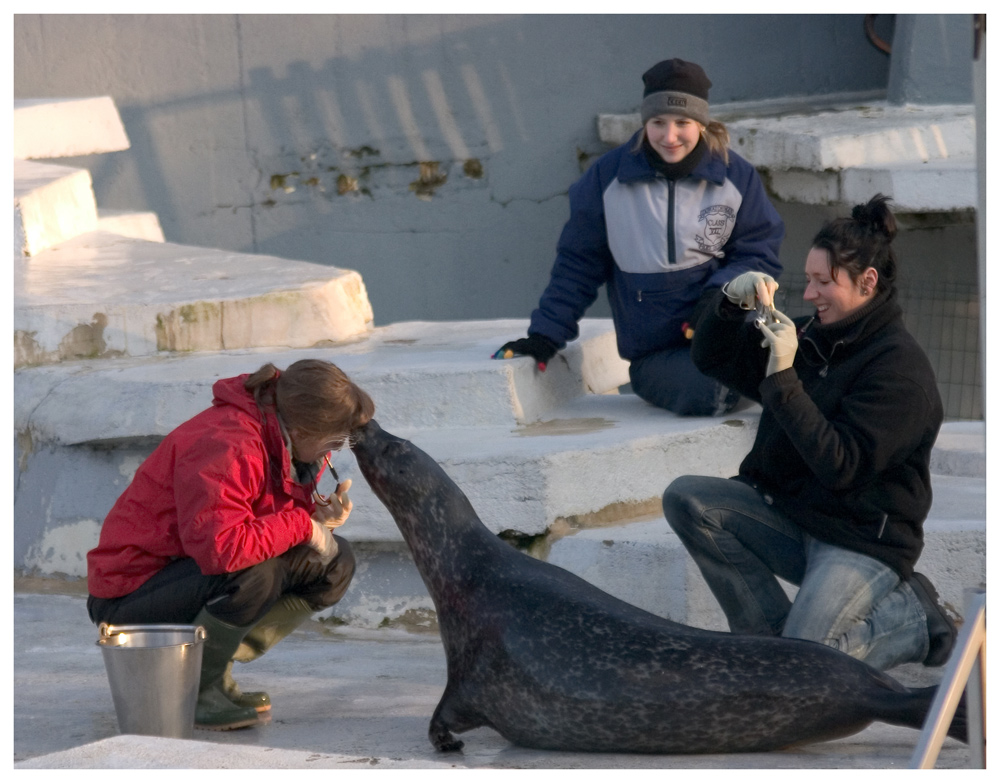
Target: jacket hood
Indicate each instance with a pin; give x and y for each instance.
(230, 391)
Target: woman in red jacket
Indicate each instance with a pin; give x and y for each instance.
(220, 526)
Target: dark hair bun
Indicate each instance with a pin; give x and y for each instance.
(876, 216)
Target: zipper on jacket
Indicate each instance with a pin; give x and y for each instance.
(826, 359)
(671, 249)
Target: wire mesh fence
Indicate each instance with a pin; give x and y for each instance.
(945, 321)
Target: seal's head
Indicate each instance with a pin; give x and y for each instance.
(400, 474)
(411, 485)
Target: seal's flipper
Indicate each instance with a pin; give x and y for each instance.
(450, 716)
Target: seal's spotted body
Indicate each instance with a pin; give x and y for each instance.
(551, 662)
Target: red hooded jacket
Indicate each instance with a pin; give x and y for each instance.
(218, 489)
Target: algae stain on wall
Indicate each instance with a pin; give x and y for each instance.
(83, 341)
(190, 327)
(63, 550)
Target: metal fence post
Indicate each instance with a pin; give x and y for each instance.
(967, 666)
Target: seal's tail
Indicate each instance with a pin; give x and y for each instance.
(911, 709)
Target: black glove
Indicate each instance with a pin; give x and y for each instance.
(699, 310)
(537, 346)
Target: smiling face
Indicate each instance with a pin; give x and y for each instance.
(834, 296)
(673, 136)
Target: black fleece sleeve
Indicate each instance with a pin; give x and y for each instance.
(727, 347)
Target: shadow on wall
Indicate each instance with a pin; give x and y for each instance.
(416, 104)
(324, 137)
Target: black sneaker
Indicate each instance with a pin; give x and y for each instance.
(940, 628)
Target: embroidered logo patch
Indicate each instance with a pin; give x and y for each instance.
(718, 223)
(674, 101)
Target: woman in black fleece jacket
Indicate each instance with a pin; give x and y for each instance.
(833, 494)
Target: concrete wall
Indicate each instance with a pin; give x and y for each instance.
(945, 77)
(431, 153)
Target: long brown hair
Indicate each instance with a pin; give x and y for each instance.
(313, 396)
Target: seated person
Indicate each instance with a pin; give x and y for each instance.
(663, 221)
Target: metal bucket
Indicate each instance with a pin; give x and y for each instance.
(154, 672)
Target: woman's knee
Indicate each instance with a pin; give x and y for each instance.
(341, 570)
(323, 587)
(681, 503)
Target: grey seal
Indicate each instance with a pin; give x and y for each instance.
(551, 662)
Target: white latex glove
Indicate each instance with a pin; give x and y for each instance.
(323, 542)
(780, 337)
(747, 288)
(337, 509)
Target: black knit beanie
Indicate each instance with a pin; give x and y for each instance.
(676, 87)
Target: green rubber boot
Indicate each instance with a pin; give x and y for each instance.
(258, 700)
(214, 711)
(287, 614)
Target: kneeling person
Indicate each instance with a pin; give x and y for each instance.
(833, 495)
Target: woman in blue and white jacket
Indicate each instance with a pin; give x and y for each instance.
(664, 221)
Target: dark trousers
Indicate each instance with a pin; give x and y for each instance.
(179, 591)
(668, 379)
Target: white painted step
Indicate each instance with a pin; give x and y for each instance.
(137, 225)
(645, 563)
(67, 127)
(597, 460)
(921, 156)
(960, 450)
(102, 295)
(931, 186)
(875, 135)
(51, 205)
(423, 375)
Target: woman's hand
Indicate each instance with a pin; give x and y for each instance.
(337, 509)
(322, 541)
(781, 338)
(744, 290)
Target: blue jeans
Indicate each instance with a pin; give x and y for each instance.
(668, 379)
(846, 600)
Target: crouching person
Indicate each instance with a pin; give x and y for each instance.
(221, 526)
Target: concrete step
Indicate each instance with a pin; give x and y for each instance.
(605, 459)
(644, 563)
(921, 156)
(879, 134)
(596, 461)
(421, 375)
(104, 295)
(51, 204)
(138, 225)
(534, 452)
(67, 127)
(71, 468)
(960, 450)
(932, 186)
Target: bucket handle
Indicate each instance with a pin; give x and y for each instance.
(199, 632)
